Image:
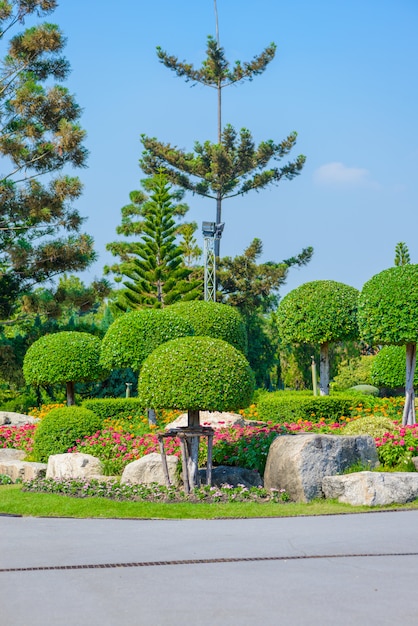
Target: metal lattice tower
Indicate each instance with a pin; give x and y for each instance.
(211, 232)
(210, 268)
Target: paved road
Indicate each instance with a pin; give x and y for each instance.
(340, 570)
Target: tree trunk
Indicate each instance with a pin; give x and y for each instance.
(408, 417)
(193, 419)
(324, 370)
(70, 394)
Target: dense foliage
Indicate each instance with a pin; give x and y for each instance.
(196, 373)
(388, 307)
(133, 336)
(112, 408)
(63, 357)
(280, 407)
(216, 320)
(60, 430)
(388, 369)
(318, 312)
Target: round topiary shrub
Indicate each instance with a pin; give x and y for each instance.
(196, 373)
(216, 320)
(375, 426)
(368, 390)
(65, 357)
(133, 336)
(60, 428)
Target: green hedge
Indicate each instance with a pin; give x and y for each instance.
(115, 407)
(279, 407)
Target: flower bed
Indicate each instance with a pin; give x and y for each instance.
(123, 441)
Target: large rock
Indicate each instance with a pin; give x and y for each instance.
(74, 465)
(298, 463)
(372, 488)
(149, 469)
(22, 470)
(234, 476)
(9, 418)
(214, 419)
(11, 454)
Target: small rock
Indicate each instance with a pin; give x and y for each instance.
(11, 454)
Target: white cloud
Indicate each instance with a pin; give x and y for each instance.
(339, 174)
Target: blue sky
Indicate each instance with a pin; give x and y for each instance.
(344, 77)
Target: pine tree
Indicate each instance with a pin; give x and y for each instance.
(402, 256)
(39, 136)
(153, 264)
(233, 165)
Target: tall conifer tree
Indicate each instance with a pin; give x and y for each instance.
(152, 266)
(233, 165)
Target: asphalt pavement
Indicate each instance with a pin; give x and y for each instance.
(337, 569)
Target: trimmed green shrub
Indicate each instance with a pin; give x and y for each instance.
(279, 407)
(388, 307)
(65, 357)
(216, 320)
(60, 429)
(376, 426)
(389, 367)
(115, 408)
(196, 373)
(133, 336)
(318, 312)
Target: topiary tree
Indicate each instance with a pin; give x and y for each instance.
(319, 312)
(388, 315)
(59, 430)
(196, 374)
(133, 336)
(216, 320)
(66, 357)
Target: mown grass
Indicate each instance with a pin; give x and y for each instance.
(14, 501)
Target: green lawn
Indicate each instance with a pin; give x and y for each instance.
(14, 501)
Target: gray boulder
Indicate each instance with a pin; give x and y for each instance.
(74, 465)
(225, 475)
(149, 469)
(372, 488)
(9, 418)
(415, 462)
(22, 470)
(298, 463)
